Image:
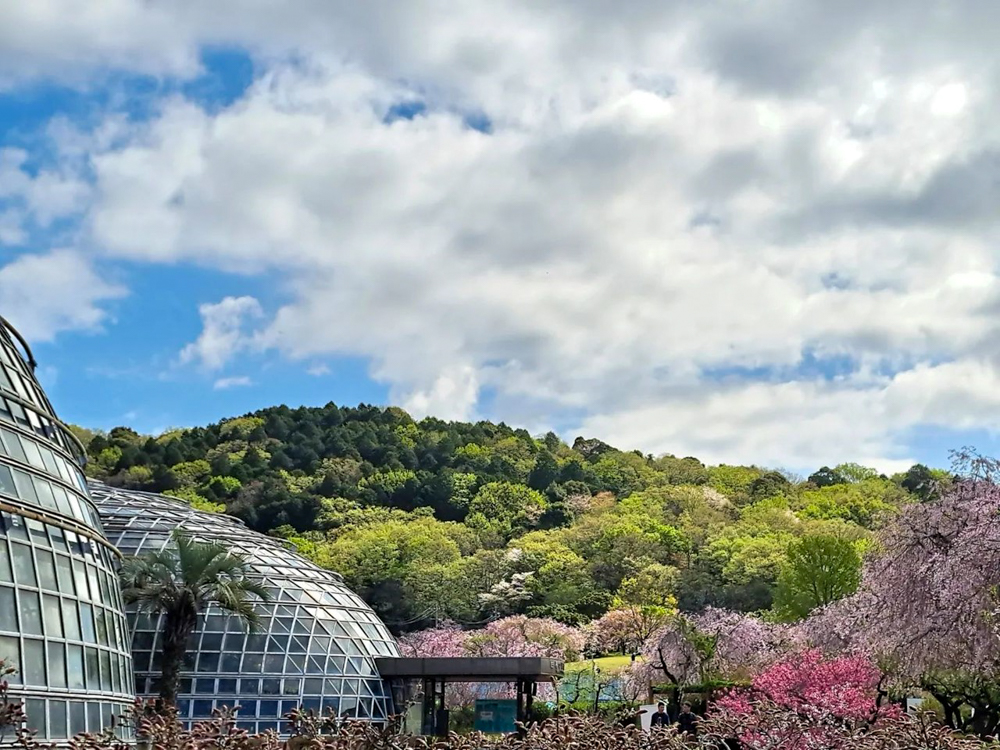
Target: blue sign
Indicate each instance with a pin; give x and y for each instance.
(496, 716)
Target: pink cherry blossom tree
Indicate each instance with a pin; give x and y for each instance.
(715, 644)
(623, 630)
(821, 702)
(519, 635)
(927, 608)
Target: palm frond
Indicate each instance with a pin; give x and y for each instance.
(193, 573)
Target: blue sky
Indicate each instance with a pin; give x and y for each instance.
(500, 212)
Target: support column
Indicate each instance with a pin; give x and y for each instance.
(428, 714)
(440, 714)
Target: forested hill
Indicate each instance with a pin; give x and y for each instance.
(435, 520)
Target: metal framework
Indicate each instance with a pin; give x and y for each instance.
(62, 623)
(319, 641)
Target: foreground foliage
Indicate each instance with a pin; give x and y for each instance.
(763, 726)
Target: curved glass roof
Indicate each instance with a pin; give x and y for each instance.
(319, 642)
(62, 623)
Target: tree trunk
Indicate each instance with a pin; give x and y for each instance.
(178, 624)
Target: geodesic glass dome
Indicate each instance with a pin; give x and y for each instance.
(62, 624)
(317, 646)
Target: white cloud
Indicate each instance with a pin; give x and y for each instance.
(452, 395)
(240, 381)
(794, 423)
(43, 295)
(223, 333)
(677, 212)
(38, 198)
(318, 370)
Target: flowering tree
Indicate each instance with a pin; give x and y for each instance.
(624, 629)
(447, 640)
(927, 606)
(526, 636)
(842, 687)
(715, 644)
(822, 702)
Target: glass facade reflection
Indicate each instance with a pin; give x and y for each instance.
(317, 646)
(62, 623)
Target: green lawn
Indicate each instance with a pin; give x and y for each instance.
(605, 663)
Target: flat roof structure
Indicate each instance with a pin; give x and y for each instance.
(437, 672)
(472, 669)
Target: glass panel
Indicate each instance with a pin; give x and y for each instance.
(80, 577)
(93, 717)
(31, 613)
(14, 446)
(25, 487)
(6, 574)
(31, 451)
(24, 568)
(116, 682)
(71, 619)
(93, 671)
(7, 482)
(37, 532)
(87, 617)
(57, 719)
(77, 718)
(10, 651)
(46, 569)
(102, 628)
(64, 572)
(8, 610)
(57, 665)
(105, 671)
(74, 666)
(16, 528)
(95, 591)
(45, 497)
(53, 616)
(34, 662)
(50, 461)
(35, 711)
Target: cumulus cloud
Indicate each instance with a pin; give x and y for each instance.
(757, 235)
(224, 333)
(240, 381)
(38, 198)
(43, 294)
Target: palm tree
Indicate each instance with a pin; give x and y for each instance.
(179, 582)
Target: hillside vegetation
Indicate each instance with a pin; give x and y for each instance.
(436, 520)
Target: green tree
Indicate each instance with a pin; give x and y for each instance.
(818, 570)
(180, 582)
(920, 481)
(502, 509)
(867, 503)
(770, 484)
(855, 472)
(827, 477)
(733, 481)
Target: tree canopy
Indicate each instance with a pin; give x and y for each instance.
(469, 522)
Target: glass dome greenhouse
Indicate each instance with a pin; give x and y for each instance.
(318, 642)
(62, 624)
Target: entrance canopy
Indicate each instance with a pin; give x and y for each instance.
(471, 669)
(437, 672)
